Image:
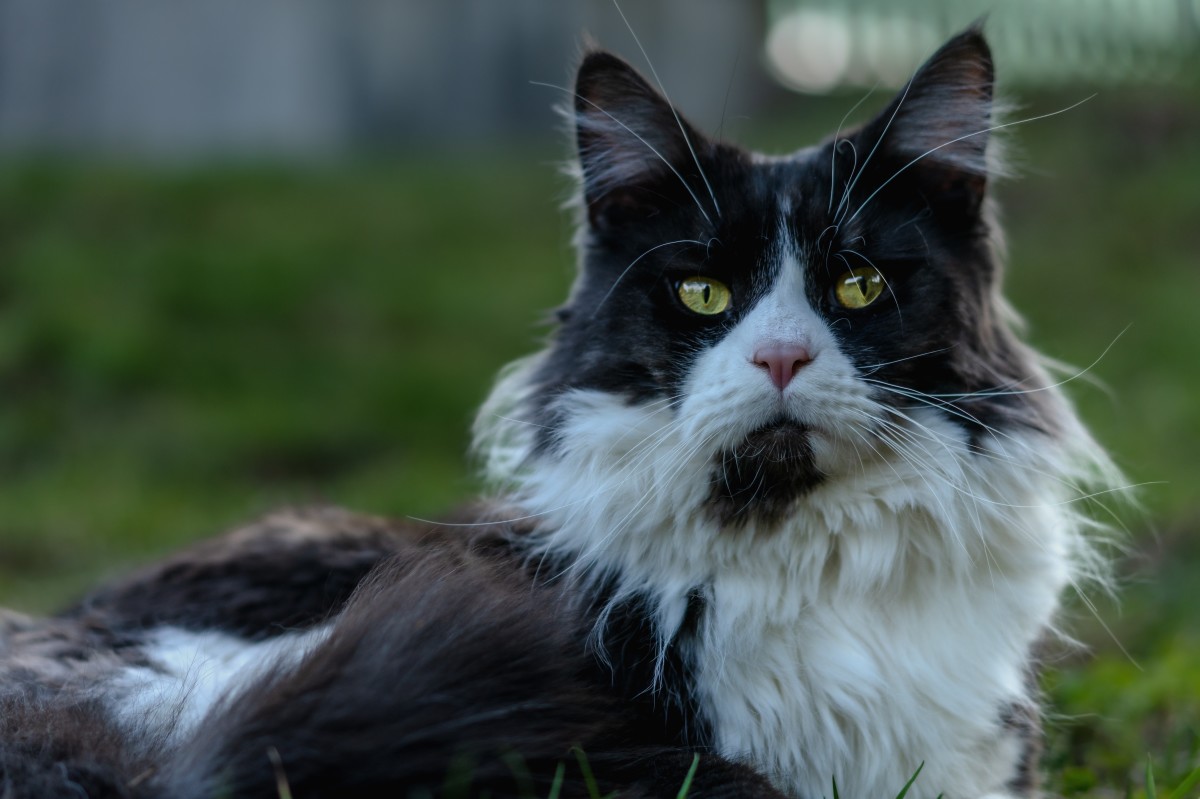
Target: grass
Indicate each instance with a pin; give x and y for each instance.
(1182, 791)
(178, 351)
(181, 349)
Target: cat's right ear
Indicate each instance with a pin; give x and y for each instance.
(635, 152)
(932, 139)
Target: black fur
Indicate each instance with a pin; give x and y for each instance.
(477, 666)
(764, 475)
(1024, 719)
(489, 690)
(1025, 722)
(661, 694)
(55, 746)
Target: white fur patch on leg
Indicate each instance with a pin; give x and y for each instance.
(191, 672)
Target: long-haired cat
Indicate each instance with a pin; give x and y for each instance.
(783, 502)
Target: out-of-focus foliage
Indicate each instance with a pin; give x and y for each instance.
(180, 350)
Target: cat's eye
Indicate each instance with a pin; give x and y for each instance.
(704, 295)
(859, 287)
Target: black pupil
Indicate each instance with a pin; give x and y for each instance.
(707, 293)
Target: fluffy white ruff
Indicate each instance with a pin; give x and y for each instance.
(887, 622)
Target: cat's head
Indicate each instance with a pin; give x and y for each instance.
(756, 328)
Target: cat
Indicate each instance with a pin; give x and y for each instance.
(784, 504)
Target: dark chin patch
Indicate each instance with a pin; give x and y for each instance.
(764, 475)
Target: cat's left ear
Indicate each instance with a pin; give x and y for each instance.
(936, 130)
(635, 152)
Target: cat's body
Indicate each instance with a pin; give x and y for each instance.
(784, 489)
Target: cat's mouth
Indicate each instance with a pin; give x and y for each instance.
(761, 477)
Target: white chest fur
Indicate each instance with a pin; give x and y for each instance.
(888, 623)
(864, 689)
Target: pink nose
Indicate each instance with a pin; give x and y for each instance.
(782, 362)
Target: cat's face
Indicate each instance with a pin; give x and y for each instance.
(786, 316)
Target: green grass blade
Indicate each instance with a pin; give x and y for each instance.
(282, 789)
(911, 780)
(687, 781)
(1185, 787)
(589, 779)
(520, 771)
(1151, 792)
(556, 785)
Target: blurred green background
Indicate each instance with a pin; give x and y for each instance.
(187, 343)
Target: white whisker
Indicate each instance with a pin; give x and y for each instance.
(836, 143)
(986, 393)
(843, 204)
(875, 367)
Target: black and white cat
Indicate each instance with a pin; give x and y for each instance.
(784, 489)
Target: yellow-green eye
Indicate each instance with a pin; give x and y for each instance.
(859, 287)
(704, 295)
